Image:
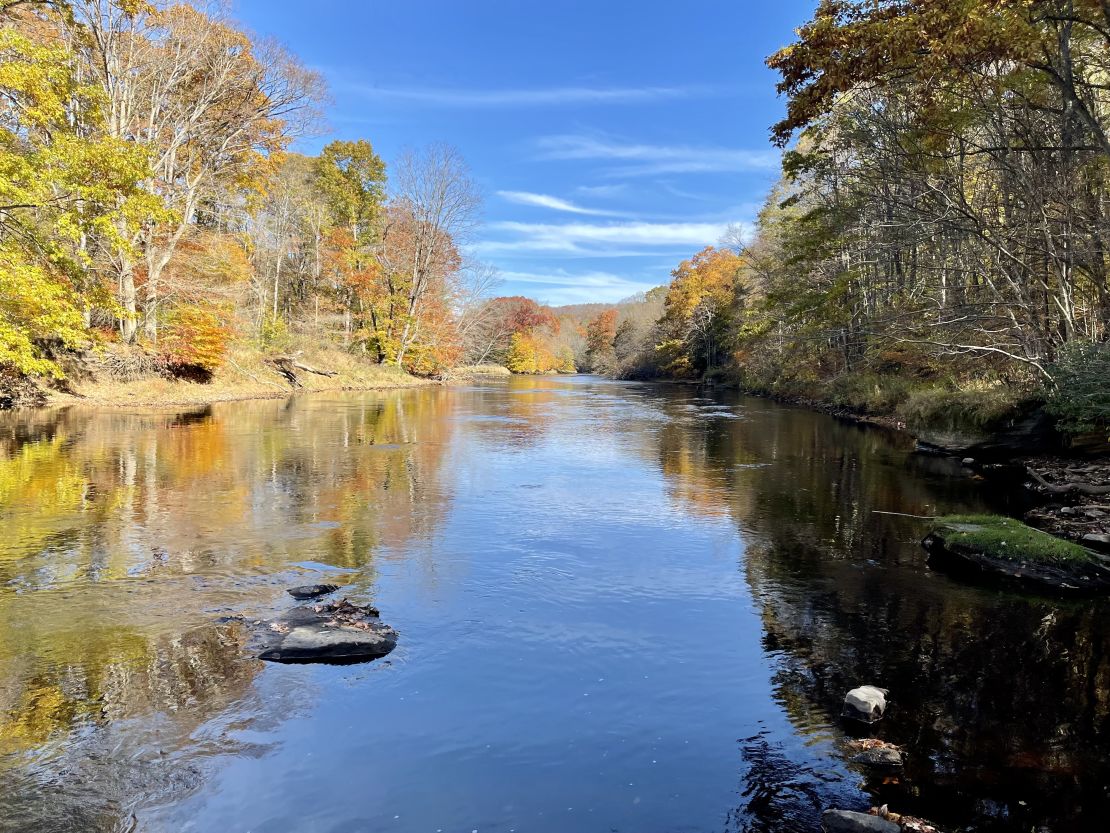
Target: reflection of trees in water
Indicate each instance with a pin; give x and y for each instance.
(781, 795)
(104, 494)
(111, 728)
(1002, 701)
(126, 532)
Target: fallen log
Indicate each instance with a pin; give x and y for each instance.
(309, 369)
(1063, 489)
(285, 367)
(288, 366)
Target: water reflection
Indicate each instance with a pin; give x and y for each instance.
(622, 607)
(129, 536)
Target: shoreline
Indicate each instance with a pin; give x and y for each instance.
(59, 399)
(1070, 492)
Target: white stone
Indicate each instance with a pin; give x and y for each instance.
(866, 703)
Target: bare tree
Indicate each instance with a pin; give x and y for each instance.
(434, 210)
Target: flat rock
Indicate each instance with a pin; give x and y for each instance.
(311, 591)
(847, 821)
(1075, 576)
(336, 633)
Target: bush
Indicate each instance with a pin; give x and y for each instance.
(870, 392)
(976, 409)
(274, 334)
(194, 341)
(1080, 399)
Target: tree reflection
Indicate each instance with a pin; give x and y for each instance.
(126, 536)
(1001, 701)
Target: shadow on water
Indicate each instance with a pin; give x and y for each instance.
(622, 607)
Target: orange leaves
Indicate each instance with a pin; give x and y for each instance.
(194, 337)
(712, 274)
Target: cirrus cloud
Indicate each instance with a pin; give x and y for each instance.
(647, 160)
(554, 203)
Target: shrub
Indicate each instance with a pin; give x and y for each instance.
(522, 354)
(1080, 399)
(194, 340)
(274, 334)
(870, 392)
(976, 409)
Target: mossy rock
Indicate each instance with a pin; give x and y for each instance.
(991, 546)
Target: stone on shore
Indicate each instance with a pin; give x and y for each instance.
(847, 821)
(866, 703)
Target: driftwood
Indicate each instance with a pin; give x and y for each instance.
(1066, 488)
(288, 366)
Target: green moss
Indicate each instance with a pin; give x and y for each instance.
(1007, 538)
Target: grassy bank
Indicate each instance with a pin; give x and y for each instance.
(974, 410)
(246, 374)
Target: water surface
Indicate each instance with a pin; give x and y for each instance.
(622, 608)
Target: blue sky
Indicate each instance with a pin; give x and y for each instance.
(610, 139)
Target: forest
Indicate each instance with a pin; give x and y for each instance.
(155, 223)
(936, 243)
(938, 239)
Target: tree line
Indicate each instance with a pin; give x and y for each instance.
(150, 202)
(941, 224)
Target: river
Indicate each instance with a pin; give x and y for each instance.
(622, 607)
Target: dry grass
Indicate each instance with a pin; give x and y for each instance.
(472, 371)
(245, 376)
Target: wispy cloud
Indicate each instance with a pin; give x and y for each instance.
(602, 191)
(554, 203)
(527, 97)
(630, 239)
(645, 160)
(558, 287)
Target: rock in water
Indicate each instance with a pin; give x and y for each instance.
(866, 703)
(846, 821)
(881, 757)
(311, 643)
(311, 591)
(335, 633)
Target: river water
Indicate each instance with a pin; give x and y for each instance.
(622, 608)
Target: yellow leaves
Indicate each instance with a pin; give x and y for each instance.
(36, 304)
(528, 354)
(37, 81)
(712, 274)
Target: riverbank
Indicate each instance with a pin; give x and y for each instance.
(1010, 440)
(245, 375)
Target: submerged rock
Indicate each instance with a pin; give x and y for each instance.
(847, 821)
(866, 703)
(985, 546)
(877, 755)
(335, 633)
(311, 591)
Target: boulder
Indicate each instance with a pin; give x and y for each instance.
(1003, 549)
(311, 591)
(336, 633)
(866, 703)
(847, 821)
